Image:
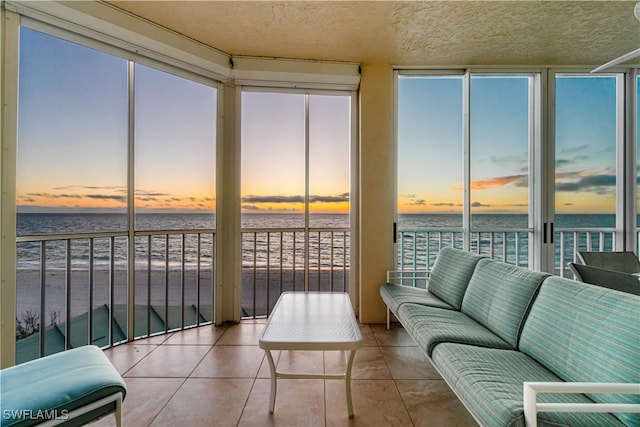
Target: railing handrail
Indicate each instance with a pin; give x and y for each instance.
(69, 236)
(501, 230)
(103, 234)
(293, 229)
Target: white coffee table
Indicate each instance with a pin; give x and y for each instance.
(311, 321)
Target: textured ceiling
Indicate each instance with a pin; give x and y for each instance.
(450, 32)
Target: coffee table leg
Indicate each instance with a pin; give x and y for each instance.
(347, 380)
(274, 386)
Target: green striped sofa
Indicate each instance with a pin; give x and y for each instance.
(496, 332)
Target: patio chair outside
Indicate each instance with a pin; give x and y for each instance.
(625, 262)
(624, 282)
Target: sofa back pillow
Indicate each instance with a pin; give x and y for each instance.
(586, 333)
(499, 296)
(450, 275)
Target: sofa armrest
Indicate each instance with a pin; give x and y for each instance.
(413, 278)
(531, 407)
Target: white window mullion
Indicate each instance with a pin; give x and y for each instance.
(627, 133)
(354, 203)
(306, 192)
(131, 198)
(466, 170)
(535, 170)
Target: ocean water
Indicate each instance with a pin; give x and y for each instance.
(324, 246)
(260, 247)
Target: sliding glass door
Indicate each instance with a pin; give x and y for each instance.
(296, 185)
(590, 155)
(464, 161)
(529, 168)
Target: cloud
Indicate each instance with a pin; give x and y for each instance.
(479, 205)
(107, 197)
(509, 160)
(251, 207)
(579, 159)
(600, 184)
(93, 187)
(54, 196)
(575, 149)
(273, 199)
(444, 204)
(151, 193)
(517, 180)
(344, 197)
(419, 202)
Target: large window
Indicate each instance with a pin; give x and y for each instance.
(295, 195)
(463, 165)
(71, 178)
(500, 127)
(586, 175)
(475, 166)
(86, 273)
(430, 151)
(585, 140)
(72, 147)
(175, 131)
(174, 151)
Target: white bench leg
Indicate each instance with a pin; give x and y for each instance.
(118, 413)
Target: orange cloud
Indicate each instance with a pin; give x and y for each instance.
(518, 180)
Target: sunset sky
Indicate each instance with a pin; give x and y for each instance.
(430, 149)
(72, 147)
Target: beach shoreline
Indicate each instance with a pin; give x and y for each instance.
(256, 295)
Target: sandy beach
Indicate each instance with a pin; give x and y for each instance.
(256, 295)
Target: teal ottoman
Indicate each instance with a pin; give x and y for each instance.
(70, 388)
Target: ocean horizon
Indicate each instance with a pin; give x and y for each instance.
(32, 224)
(254, 226)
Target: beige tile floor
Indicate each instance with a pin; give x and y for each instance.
(217, 376)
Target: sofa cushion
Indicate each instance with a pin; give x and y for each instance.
(490, 381)
(450, 275)
(430, 326)
(396, 295)
(499, 296)
(586, 333)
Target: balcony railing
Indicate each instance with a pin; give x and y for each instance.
(80, 282)
(275, 260)
(419, 248)
(571, 240)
